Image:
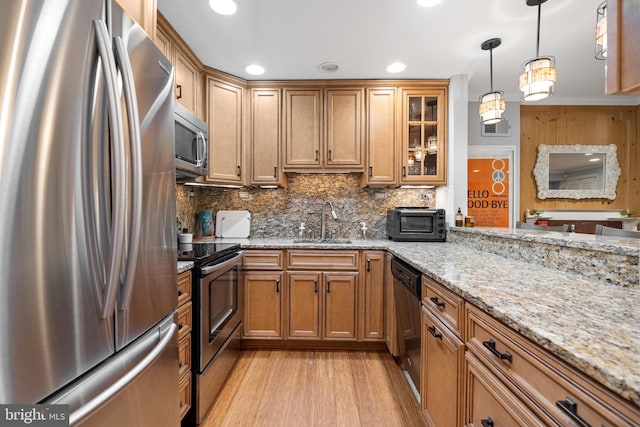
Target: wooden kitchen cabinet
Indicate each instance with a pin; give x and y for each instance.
(322, 305)
(143, 12)
(188, 80)
(442, 388)
(390, 324)
(263, 293)
(442, 380)
(322, 294)
(490, 403)
(381, 118)
(424, 136)
(224, 117)
(540, 380)
(372, 296)
(265, 137)
(623, 38)
(184, 319)
(263, 302)
(323, 129)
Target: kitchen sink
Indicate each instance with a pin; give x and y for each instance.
(323, 241)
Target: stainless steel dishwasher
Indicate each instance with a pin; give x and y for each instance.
(407, 293)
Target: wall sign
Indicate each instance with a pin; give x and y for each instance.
(490, 189)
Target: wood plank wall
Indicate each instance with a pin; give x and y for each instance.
(587, 125)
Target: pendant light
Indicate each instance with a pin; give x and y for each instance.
(539, 75)
(601, 31)
(491, 104)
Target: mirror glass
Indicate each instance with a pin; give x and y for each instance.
(577, 171)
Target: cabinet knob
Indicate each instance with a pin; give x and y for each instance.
(180, 292)
(180, 325)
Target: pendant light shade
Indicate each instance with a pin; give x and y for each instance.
(491, 104)
(601, 31)
(538, 79)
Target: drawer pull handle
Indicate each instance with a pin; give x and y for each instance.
(179, 87)
(179, 363)
(179, 325)
(571, 408)
(491, 346)
(179, 292)
(315, 286)
(487, 423)
(277, 285)
(368, 265)
(328, 286)
(436, 302)
(370, 171)
(432, 330)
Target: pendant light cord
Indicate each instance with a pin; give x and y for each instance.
(491, 68)
(538, 36)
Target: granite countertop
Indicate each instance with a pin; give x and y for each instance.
(592, 326)
(184, 266)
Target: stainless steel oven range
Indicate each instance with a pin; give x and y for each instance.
(217, 319)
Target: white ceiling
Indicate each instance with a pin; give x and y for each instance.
(290, 38)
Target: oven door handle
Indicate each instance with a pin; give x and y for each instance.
(210, 269)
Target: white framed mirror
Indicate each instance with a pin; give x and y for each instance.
(577, 171)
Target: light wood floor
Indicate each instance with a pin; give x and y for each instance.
(315, 388)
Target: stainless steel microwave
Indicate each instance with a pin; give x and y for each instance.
(191, 144)
(414, 224)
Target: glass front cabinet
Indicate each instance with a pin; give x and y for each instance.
(424, 137)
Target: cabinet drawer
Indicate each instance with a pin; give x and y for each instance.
(184, 320)
(533, 373)
(322, 260)
(184, 393)
(184, 287)
(184, 355)
(447, 306)
(263, 260)
(490, 403)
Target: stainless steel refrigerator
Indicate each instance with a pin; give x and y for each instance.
(87, 215)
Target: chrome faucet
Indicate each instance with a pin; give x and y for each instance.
(322, 223)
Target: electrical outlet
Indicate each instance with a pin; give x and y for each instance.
(244, 195)
(380, 195)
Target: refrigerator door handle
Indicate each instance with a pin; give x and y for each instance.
(135, 144)
(118, 162)
(88, 408)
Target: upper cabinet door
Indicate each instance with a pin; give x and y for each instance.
(424, 138)
(265, 137)
(344, 128)
(225, 132)
(302, 128)
(623, 57)
(186, 84)
(381, 137)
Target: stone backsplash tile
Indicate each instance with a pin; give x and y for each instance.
(279, 212)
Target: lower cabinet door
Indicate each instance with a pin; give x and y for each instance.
(263, 304)
(490, 403)
(340, 305)
(443, 369)
(304, 290)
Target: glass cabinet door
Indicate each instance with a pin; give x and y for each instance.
(424, 138)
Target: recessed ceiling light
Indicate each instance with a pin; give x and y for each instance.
(396, 67)
(223, 7)
(328, 67)
(428, 3)
(254, 69)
